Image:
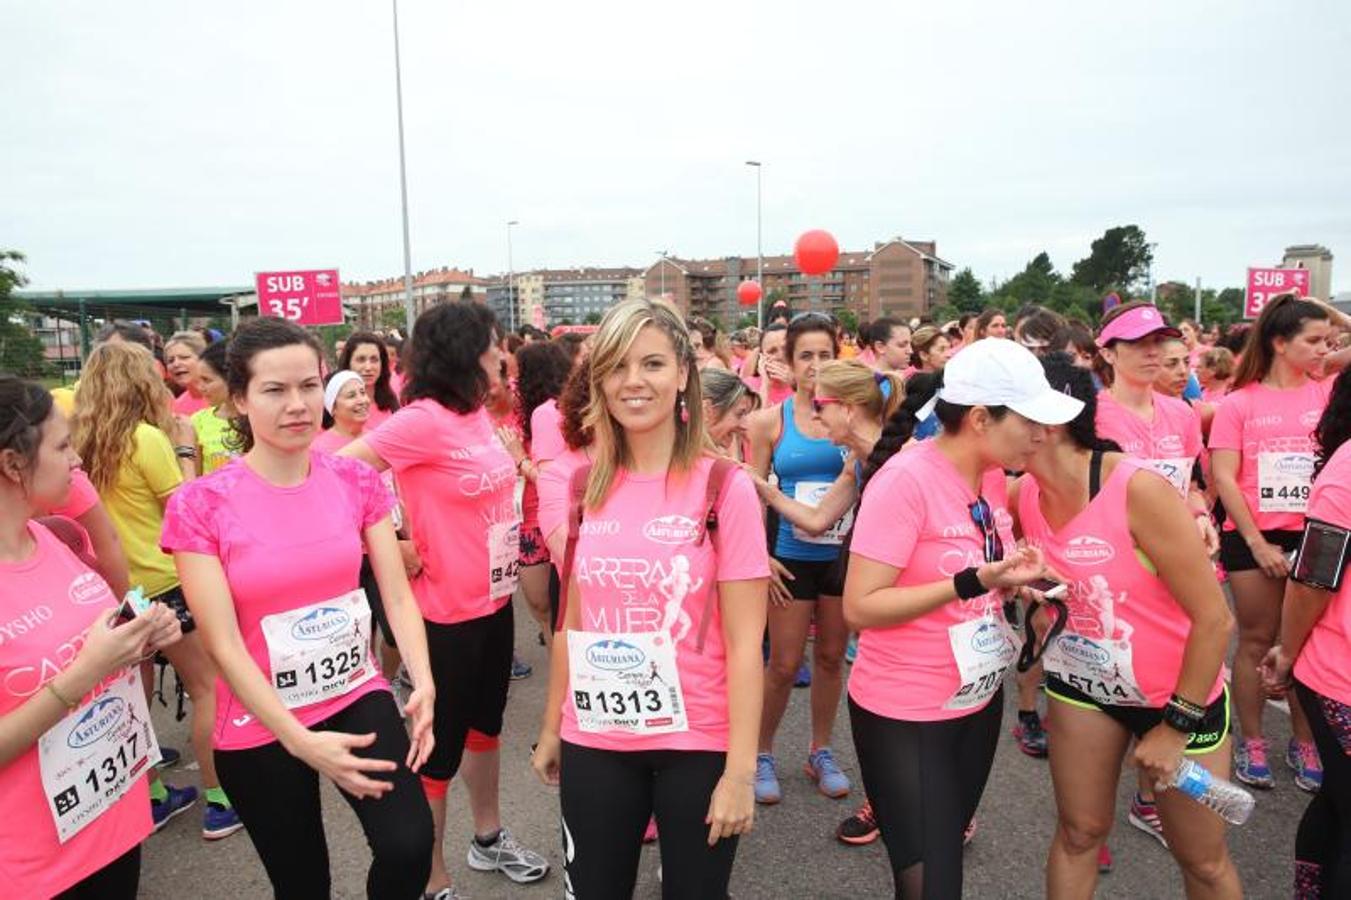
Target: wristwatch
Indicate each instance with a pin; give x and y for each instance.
(1180, 720)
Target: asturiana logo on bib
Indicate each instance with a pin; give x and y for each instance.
(1296, 464)
(1089, 550)
(93, 725)
(1082, 649)
(324, 622)
(88, 588)
(614, 655)
(672, 529)
(987, 639)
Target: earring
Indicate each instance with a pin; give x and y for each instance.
(682, 409)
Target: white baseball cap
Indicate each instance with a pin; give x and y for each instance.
(994, 372)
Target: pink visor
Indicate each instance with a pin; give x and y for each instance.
(1131, 326)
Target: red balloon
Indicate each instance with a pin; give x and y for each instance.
(816, 252)
(748, 292)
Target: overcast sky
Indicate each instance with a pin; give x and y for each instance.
(162, 143)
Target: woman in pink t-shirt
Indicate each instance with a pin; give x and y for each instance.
(931, 560)
(1316, 641)
(366, 354)
(772, 376)
(459, 491)
(268, 550)
(655, 685)
(67, 667)
(1142, 651)
(1262, 456)
(181, 355)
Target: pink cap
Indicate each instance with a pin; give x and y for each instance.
(1135, 324)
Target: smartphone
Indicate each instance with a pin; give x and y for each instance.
(1051, 590)
(133, 604)
(1321, 561)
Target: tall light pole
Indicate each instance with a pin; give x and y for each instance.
(511, 290)
(759, 252)
(664, 254)
(408, 311)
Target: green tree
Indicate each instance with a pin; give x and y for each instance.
(21, 352)
(849, 320)
(1034, 284)
(747, 320)
(592, 318)
(1120, 259)
(965, 292)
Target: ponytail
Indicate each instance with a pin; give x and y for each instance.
(900, 424)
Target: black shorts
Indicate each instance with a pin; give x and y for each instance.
(812, 580)
(1236, 556)
(377, 604)
(174, 599)
(471, 668)
(1139, 720)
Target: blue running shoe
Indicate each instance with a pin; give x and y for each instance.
(851, 649)
(1302, 757)
(520, 668)
(822, 768)
(168, 758)
(804, 676)
(767, 790)
(1250, 763)
(220, 822)
(179, 800)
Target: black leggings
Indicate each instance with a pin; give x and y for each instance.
(119, 880)
(607, 797)
(925, 780)
(1323, 841)
(277, 797)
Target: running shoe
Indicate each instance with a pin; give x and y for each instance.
(804, 676)
(1302, 756)
(179, 800)
(1104, 859)
(767, 790)
(446, 893)
(822, 768)
(508, 857)
(650, 833)
(969, 832)
(860, 828)
(1250, 763)
(851, 649)
(219, 822)
(520, 668)
(168, 758)
(1144, 815)
(1030, 735)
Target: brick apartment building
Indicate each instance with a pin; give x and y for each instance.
(366, 303)
(895, 278)
(548, 297)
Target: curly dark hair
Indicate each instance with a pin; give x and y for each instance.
(542, 368)
(1077, 382)
(1334, 428)
(572, 405)
(384, 394)
(24, 407)
(251, 338)
(441, 358)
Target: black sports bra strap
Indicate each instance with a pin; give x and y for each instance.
(1094, 475)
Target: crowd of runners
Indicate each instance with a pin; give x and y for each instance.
(324, 544)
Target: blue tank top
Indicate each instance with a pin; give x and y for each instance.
(798, 458)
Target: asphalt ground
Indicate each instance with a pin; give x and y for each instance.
(791, 854)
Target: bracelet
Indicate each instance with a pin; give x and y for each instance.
(1187, 706)
(1178, 719)
(59, 696)
(182, 451)
(967, 584)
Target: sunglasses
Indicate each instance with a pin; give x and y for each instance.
(983, 516)
(820, 403)
(813, 317)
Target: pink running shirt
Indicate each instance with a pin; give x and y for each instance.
(1126, 634)
(83, 496)
(282, 548)
(636, 556)
(46, 604)
(331, 441)
(1170, 443)
(1322, 664)
(1259, 419)
(459, 488)
(187, 403)
(916, 517)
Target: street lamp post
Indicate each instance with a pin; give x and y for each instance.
(664, 254)
(408, 311)
(511, 290)
(759, 252)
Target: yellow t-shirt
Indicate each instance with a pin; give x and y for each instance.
(64, 399)
(135, 503)
(212, 431)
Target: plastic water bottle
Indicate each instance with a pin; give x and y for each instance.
(1231, 802)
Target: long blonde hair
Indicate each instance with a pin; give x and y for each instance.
(119, 389)
(612, 341)
(856, 384)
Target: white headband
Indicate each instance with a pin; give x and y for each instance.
(335, 384)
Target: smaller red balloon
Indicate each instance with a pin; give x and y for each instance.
(816, 252)
(748, 292)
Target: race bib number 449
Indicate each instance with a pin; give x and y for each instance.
(1283, 481)
(93, 756)
(625, 682)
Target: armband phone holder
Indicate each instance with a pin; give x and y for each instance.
(1322, 556)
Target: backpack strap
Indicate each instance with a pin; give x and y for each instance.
(576, 501)
(717, 477)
